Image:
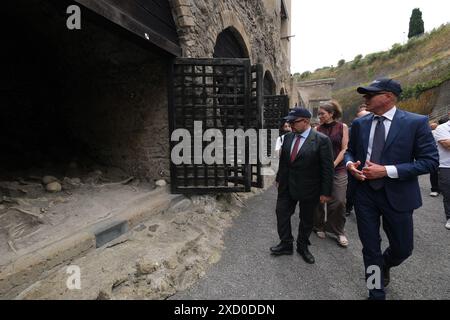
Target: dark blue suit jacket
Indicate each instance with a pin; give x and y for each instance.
(409, 146)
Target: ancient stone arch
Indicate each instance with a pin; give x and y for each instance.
(269, 84)
(229, 20)
(229, 44)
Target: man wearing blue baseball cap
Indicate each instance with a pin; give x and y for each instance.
(305, 176)
(386, 152)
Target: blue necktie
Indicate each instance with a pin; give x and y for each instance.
(377, 148)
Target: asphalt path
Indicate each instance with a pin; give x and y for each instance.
(248, 271)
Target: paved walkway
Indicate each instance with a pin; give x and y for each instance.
(248, 271)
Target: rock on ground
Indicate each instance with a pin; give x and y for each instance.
(161, 256)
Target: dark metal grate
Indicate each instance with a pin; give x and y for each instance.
(215, 92)
(257, 103)
(275, 108)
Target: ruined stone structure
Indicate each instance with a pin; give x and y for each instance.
(260, 27)
(102, 92)
(311, 93)
(442, 107)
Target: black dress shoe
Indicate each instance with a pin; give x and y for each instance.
(386, 276)
(281, 249)
(306, 255)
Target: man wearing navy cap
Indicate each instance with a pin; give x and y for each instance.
(305, 176)
(386, 152)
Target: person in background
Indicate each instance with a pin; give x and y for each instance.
(284, 129)
(362, 111)
(334, 220)
(351, 181)
(442, 137)
(434, 176)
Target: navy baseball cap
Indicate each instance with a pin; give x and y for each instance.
(382, 84)
(298, 113)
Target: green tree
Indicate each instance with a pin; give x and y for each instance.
(416, 25)
(341, 63)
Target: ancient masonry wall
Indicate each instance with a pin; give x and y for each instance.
(259, 23)
(128, 127)
(119, 112)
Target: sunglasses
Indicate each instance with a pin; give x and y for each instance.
(299, 120)
(371, 95)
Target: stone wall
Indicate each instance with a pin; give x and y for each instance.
(122, 114)
(95, 96)
(258, 23)
(102, 92)
(311, 93)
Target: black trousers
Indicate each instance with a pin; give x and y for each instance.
(285, 209)
(444, 181)
(434, 181)
(351, 185)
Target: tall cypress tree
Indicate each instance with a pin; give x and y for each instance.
(416, 26)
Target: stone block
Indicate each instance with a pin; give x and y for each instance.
(183, 11)
(186, 22)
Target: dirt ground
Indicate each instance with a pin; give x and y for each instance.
(159, 257)
(31, 216)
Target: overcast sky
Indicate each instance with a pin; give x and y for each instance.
(327, 31)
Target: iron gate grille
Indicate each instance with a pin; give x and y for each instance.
(257, 101)
(275, 108)
(215, 92)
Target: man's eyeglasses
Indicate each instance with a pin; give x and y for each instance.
(299, 120)
(371, 95)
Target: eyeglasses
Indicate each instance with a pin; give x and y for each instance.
(321, 113)
(371, 95)
(299, 120)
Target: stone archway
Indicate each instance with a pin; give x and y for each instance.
(229, 44)
(269, 84)
(231, 21)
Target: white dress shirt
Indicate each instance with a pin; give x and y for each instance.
(389, 116)
(303, 137)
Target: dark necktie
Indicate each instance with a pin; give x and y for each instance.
(377, 148)
(296, 147)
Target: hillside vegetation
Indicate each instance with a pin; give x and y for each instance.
(422, 65)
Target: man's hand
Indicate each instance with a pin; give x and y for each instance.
(374, 171)
(445, 143)
(353, 169)
(325, 199)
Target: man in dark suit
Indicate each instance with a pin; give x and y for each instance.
(387, 151)
(305, 175)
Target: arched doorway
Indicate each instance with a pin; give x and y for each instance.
(282, 92)
(269, 84)
(229, 44)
